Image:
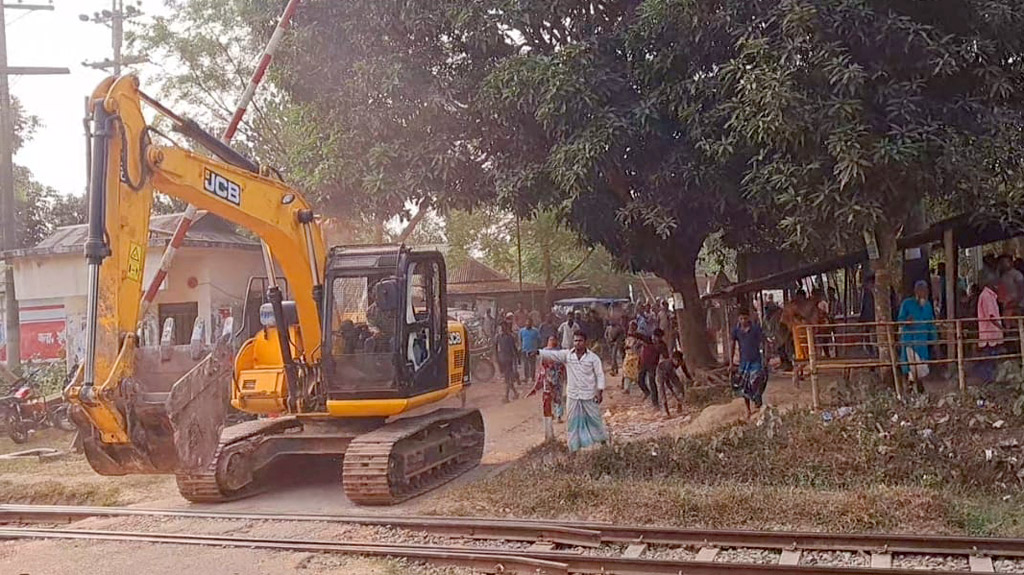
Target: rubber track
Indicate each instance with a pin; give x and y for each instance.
(203, 487)
(367, 463)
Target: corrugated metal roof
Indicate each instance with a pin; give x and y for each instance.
(207, 231)
(511, 287)
(503, 286)
(73, 235)
(473, 271)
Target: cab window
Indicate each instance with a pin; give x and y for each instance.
(423, 312)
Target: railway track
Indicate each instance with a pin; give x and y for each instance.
(556, 547)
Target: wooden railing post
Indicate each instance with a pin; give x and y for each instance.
(893, 360)
(961, 371)
(797, 365)
(1020, 341)
(812, 358)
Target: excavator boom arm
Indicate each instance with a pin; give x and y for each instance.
(264, 206)
(126, 168)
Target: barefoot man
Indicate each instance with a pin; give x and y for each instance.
(753, 376)
(584, 390)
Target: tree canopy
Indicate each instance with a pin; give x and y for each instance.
(645, 124)
(859, 112)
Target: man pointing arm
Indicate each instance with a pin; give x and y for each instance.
(584, 389)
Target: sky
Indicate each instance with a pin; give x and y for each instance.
(56, 154)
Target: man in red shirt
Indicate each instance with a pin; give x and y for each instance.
(654, 350)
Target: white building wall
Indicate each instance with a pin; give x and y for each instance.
(219, 278)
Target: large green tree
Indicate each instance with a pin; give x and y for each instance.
(40, 209)
(614, 121)
(573, 106)
(858, 111)
(648, 123)
(341, 128)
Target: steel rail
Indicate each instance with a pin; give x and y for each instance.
(805, 541)
(575, 533)
(450, 526)
(490, 560)
(459, 557)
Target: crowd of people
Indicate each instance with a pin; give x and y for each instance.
(563, 358)
(998, 294)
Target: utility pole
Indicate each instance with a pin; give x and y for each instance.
(519, 251)
(8, 223)
(114, 19)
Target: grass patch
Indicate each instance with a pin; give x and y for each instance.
(69, 480)
(934, 443)
(52, 492)
(943, 465)
(726, 505)
(988, 516)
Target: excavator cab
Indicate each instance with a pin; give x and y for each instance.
(387, 311)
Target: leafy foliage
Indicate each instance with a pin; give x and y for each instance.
(552, 253)
(648, 124)
(209, 55)
(859, 109)
(41, 209)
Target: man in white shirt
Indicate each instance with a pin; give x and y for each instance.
(584, 390)
(568, 328)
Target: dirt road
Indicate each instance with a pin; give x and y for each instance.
(512, 429)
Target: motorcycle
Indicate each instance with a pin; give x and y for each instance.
(9, 419)
(26, 410)
(481, 363)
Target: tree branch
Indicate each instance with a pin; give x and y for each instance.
(573, 270)
(421, 213)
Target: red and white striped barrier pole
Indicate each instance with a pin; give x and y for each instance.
(190, 212)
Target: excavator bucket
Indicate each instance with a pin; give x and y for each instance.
(175, 409)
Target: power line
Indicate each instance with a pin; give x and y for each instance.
(115, 19)
(29, 7)
(33, 70)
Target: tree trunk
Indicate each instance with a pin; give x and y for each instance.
(692, 319)
(886, 269)
(421, 212)
(545, 264)
(917, 268)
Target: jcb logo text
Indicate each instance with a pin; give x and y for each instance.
(222, 187)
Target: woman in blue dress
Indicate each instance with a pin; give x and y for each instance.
(917, 334)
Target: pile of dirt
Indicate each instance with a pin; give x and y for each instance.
(631, 416)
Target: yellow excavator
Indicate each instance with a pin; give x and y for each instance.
(334, 368)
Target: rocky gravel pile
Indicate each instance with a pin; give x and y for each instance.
(756, 556)
(1008, 565)
(930, 562)
(671, 553)
(835, 558)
